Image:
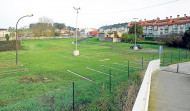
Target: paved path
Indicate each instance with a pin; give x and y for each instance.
(79, 41)
(170, 91)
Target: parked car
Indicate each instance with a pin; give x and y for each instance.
(139, 46)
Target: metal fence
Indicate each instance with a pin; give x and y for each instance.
(106, 94)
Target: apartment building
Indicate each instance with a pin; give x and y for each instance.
(3, 32)
(121, 27)
(157, 27)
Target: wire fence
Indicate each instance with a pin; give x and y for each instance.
(116, 91)
(174, 57)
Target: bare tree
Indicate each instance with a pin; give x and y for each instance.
(44, 27)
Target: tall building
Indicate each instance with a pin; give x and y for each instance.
(157, 27)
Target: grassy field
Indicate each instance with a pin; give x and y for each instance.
(43, 78)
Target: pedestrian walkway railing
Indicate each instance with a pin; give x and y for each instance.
(142, 100)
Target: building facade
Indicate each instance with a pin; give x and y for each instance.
(157, 27)
(3, 32)
(121, 27)
(87, 32)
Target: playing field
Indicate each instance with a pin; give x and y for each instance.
(48, 67)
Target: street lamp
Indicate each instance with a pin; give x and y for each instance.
(135, 48)
(17, 35)
(76, 52)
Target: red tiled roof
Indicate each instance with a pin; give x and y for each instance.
(167, 21)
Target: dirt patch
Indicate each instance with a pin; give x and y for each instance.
(33, 79)
(108, 46)
(138, 51)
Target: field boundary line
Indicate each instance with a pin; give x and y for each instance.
(98, 71)
(113, 68)
(80, 75)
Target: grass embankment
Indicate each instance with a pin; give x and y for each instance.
(45, 71)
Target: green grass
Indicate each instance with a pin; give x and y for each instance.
(48, 61)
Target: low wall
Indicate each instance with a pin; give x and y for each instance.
(142, 100)
(9, 45)
(4, 39)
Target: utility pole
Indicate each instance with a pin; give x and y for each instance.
(76, 52)
(135, 48)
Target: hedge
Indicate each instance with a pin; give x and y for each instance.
(9, 45)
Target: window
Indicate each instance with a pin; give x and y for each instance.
(155, 32)
(166, 31)
(161, 28)
(166, 27)
(181, 26)
(187, 25)
(113, 29)
(175, 26)
(150, 27)
(155, 27)
(144, 28)
(150, 31)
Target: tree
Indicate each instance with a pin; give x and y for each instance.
(59, 25)
(139, 30)
(128, 38)
(94, 32)
(7, 37)
(43, 28)
(186, 38)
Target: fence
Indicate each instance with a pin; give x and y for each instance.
(104, 94)
(174, 57)
(115, 91)
(141, 103)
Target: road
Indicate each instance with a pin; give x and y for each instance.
(170, 91)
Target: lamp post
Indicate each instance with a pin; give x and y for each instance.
(135, 48)
(17, 36)
(76, 52)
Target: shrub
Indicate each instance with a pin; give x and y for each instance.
(149, 38)
(172, 40)
(7, 37)
(186, 38)
(9, 45)
(129, 38)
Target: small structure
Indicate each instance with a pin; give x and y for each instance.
(114, 36)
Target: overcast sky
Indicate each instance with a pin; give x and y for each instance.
(93, 13)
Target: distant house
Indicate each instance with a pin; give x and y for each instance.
(121, 27)
(87, 32)
(114, 36)
(3, 32)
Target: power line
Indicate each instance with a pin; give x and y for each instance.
(137, 8)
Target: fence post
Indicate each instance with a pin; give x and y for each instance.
(110, 80)
(73, 96)
(163, 59)
(177, 67)
(128, 69)
(172, 57)
(142, 62)
(179, 55)
(153, 58)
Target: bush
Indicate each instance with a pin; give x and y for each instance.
(9, 45)
(149, 38)
(172, 40)
(129, 38)
(7, 37)
(186, 38)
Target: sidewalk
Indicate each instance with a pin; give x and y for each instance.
(170, 91)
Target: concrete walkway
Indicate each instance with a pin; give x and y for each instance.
(170, 91)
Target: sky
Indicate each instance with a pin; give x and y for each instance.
(93, 13)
